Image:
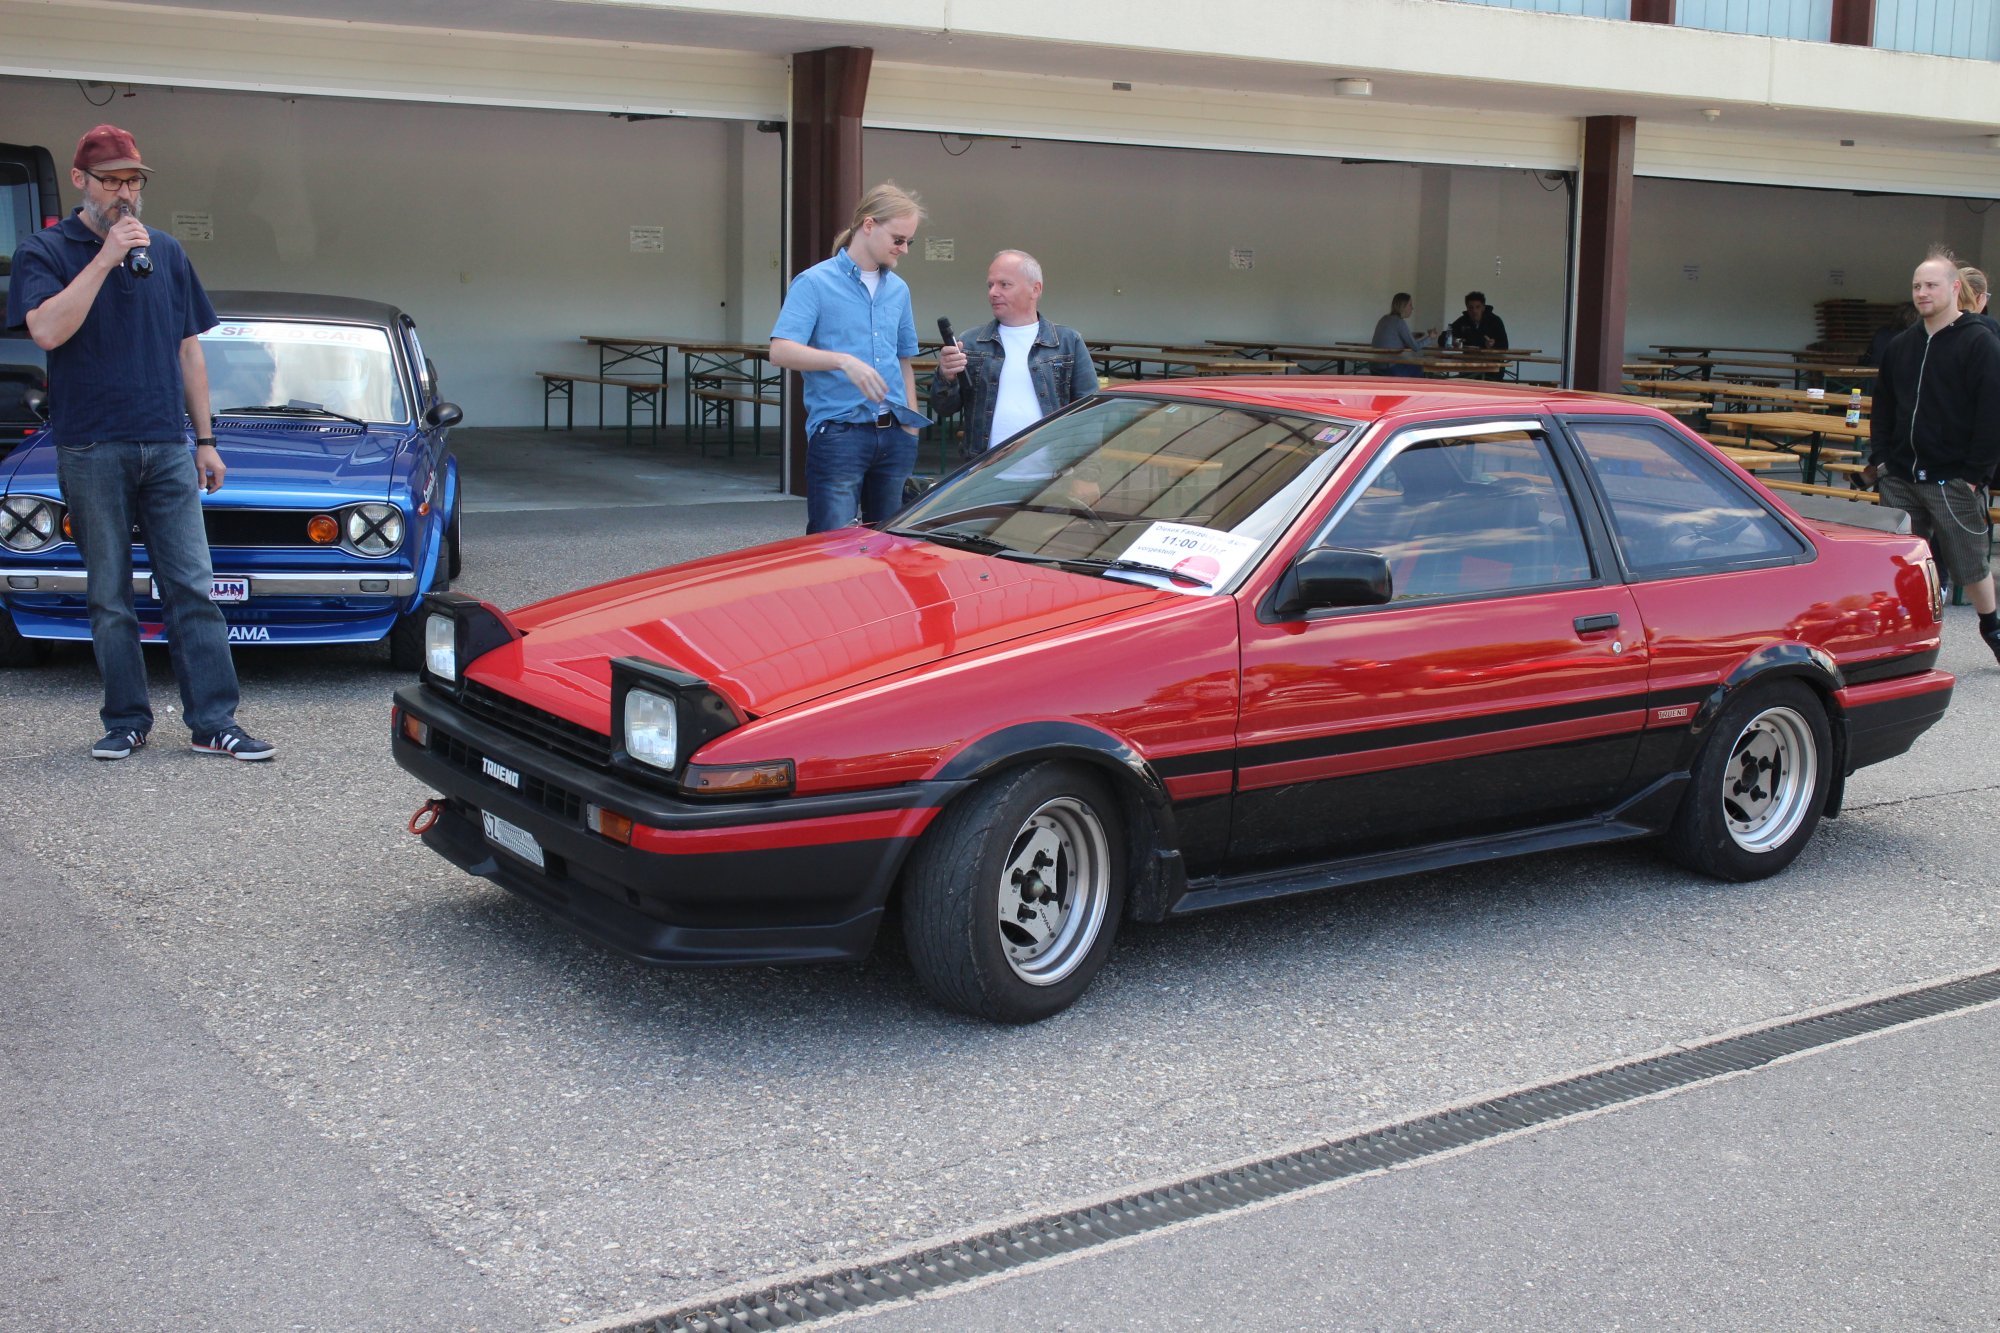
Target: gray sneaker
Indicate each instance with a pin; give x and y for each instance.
(235, 742)
(118, 743)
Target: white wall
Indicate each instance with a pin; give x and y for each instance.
(1135, 242)
(504, 233)
(1764, 256)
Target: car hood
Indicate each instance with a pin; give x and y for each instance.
(272, 463)
(777, 626)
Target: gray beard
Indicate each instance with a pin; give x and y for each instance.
(101, 218)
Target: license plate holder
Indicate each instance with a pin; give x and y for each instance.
(222, 588)
(513, 838)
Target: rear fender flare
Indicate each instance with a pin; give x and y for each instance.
(1780, 661)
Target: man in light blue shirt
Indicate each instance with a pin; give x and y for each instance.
(848, 328)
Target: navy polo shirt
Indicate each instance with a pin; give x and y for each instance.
(119, 375)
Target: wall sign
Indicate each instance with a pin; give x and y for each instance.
(649, 240)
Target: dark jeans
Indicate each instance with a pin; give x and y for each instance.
(856, 464)
(108, 487)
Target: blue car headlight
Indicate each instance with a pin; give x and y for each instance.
(371, 529)
(30, 523)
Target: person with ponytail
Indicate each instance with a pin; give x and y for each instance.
(847, 326)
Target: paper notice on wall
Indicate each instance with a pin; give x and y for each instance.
(1692, 272)
(944, 249)
(1243, 258)
(194, 227)
(1199, 553)
(1836, 277)
(649, 240)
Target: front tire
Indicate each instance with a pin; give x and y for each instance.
(16, 648)
(1012, 899)
(406, 635)
(1759, 785)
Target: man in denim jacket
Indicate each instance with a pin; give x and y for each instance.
(1015, 370)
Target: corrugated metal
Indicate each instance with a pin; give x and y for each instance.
(1721, 155)
(1966, 28)
(1800, 20)
(145, 44)
(923, 97)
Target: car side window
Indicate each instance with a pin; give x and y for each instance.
(1673, 511)
(1471, 515)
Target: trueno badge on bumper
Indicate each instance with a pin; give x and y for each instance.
(500, 772)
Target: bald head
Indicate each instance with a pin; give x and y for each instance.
(1014, 287)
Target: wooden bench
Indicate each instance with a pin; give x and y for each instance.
(640, 395)
(717, 406)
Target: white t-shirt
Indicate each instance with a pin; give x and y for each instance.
(1015, 406)
(871, 278)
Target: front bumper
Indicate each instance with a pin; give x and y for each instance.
(73, 582)
(795, 880)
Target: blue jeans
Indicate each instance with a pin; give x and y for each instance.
(850, 464)
(108, 487)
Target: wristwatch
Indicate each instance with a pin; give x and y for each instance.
(208, 440)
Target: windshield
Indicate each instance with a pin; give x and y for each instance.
(1177, 494)
(347, 370)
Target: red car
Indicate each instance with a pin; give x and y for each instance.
(1181, 645)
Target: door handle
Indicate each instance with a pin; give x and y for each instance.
(1596, 624)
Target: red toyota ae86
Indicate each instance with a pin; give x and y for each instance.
(1180, 646)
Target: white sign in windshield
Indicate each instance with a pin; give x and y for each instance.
(1197, 552)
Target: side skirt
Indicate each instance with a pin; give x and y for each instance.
(1643, 816)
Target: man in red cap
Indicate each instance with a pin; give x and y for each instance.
(119, 311)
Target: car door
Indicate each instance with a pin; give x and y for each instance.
(1503, 686)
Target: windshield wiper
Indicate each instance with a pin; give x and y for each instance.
(1141, 567)
(969, 541)
(295, 408)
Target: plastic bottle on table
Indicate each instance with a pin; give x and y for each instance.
(1854, 406)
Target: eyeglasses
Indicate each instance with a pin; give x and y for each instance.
(117, 183)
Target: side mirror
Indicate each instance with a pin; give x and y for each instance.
(444, 414)
(37, 402)
(1330, 576)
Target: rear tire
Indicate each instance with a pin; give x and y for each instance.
(1758, 786)
(1012, 899)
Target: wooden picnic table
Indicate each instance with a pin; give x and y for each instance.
(1720, 367)
(1820, 426)
(1131, 363)
(1723, 391)
(615, 350)
(1711, 349)
(1756, 460)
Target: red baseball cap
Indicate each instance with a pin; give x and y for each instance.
(107, 148)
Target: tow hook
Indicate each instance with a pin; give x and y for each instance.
(426, 816)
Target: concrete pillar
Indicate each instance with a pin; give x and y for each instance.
(1603, 251)
(829, 90)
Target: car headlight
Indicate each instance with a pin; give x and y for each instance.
(441, 647)
(372, 529)
(652, 728)
(30, 523)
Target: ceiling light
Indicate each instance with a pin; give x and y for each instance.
(1353, 88)
(1711, 113)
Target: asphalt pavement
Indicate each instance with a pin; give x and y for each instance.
(265, 1062)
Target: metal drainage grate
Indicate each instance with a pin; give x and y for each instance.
(1220, 1192)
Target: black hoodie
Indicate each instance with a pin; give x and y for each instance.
(1937, 404)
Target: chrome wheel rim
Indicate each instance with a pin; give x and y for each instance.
(1054, 886)
(1768, 783)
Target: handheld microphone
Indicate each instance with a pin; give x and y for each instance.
(139, 259)
(944, 330)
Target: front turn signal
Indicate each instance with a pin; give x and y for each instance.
(775, 778)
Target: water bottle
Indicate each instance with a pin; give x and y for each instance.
(1854, 406)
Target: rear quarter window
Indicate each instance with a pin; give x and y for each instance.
(1672, 509)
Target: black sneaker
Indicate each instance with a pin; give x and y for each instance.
(118, 743)
(235, 742)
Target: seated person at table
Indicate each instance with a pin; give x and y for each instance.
(1479, 328)
(1392, 334)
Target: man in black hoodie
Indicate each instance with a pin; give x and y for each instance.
(1934, 437)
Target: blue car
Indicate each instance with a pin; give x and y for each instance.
(341, 505)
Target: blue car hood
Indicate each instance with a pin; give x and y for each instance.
(306, 463)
